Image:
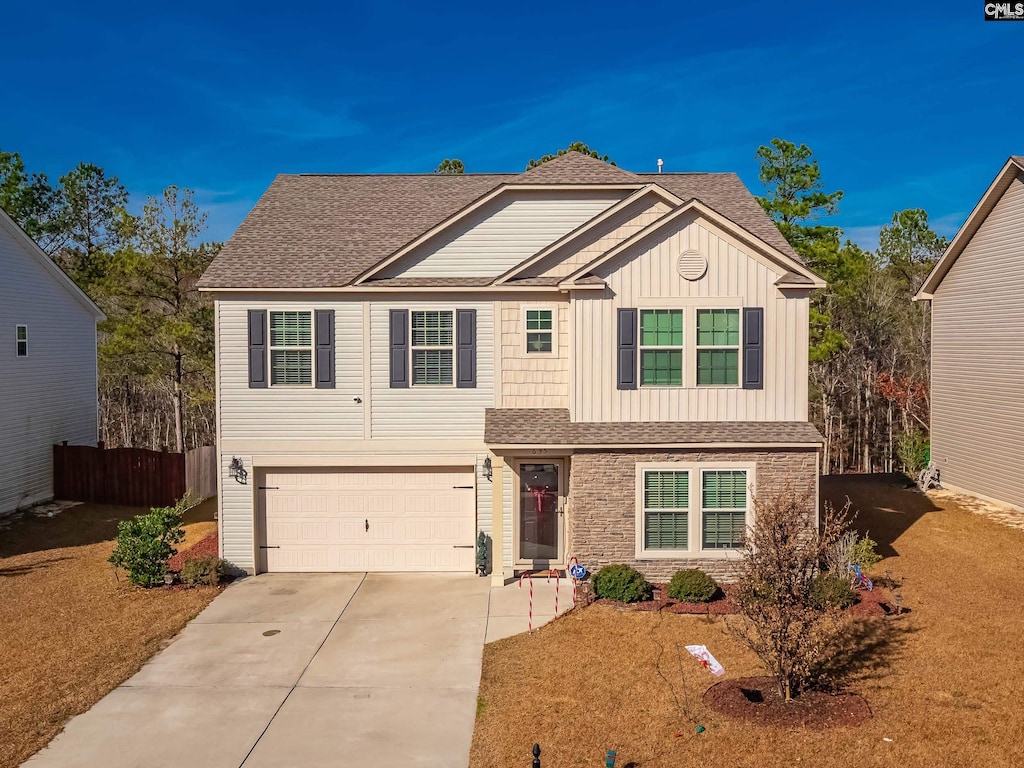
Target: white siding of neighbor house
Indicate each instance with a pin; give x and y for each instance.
(646, 275)
(50, 395)
(977, 421)
(505, 232)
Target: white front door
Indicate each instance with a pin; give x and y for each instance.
(367, 519)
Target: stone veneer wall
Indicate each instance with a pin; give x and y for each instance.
(602, 502)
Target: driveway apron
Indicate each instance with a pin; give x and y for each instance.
(301, 670)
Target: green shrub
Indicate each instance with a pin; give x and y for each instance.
(621, 583)
(863, 555)
(912, 449)
(201, 571)
(831, 591)
(692, 586)
(146, 542)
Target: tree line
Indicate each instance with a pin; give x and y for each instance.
(155, 349)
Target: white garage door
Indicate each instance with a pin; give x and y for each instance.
(367, 519)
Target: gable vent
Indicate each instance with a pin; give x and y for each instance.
(692, 265)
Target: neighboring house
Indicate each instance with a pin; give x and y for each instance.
(576, 361)
(977, 299)
(48, 376)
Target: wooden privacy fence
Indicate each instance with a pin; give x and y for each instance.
(132, 477)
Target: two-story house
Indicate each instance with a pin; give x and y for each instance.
(576, 360)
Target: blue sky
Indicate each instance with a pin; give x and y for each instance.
(905, 105)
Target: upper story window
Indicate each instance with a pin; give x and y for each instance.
(21, 339)
(291, 349)
(432, 347)
(661, 347)
(718, 347)
(540, 331)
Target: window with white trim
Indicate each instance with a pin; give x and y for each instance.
(540, 331)
(666, 502)
(661, 347)
(21, 340)
(723, 508)
(718, 347)
(432, 348)
(291, 348)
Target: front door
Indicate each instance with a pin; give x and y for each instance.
(541, 504)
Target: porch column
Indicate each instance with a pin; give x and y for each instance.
(497, 521)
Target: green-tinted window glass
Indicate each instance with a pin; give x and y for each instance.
(666, 506)
(538, 342)
(291, 366)
(661, 368)
(540, 334)
(432, 329)
(661, 327)
(431, 366)
(718, 327)
(718, 366)
(538, 320)
(291, 329)
(724, 502)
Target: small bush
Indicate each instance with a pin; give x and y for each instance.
(832, 591)
(146, 542)
(863, 555)
(203, 571)
(692, 586)
(621, 583)
(912, 450)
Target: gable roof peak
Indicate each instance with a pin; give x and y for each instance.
(576, 168)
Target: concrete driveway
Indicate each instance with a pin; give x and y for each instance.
(301, 670)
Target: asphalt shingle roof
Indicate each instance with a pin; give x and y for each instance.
(323, 231)
(551, 426)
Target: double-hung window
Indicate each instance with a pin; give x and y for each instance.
(291, 349)
(540, 331)
(666, 509)
(661, 347)
(723, 508)
(21, 340)
(718, 347)
(432, 343)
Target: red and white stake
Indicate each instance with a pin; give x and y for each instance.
(530, 582)
(553, 572)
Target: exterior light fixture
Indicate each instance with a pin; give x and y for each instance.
(488, 469)
(237, 470)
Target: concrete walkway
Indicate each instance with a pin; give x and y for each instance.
(310, 670)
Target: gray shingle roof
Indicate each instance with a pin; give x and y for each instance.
(551, 426)
(323, 231)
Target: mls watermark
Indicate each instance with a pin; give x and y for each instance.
(1004, 11)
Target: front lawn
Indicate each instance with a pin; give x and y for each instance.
(944, 680)
(69, 630)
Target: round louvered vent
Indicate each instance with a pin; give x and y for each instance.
(692, 265)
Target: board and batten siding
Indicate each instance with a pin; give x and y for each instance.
(502, 234)
(533, 380)
(646, 276)
(50, 395)
(977, 388)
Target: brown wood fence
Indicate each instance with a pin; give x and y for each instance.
(133, 477)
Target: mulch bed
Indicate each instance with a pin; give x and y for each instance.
(757, 699)
(205, 547)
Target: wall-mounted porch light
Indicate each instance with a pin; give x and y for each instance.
(488, 469)
(237, 470)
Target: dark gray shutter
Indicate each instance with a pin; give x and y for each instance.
(753, 348)
(398, 334)
(324, 348)
(465, 348)
(627, 325)
(257, 348)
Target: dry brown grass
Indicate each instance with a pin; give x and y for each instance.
(69, 631)
(945, 681)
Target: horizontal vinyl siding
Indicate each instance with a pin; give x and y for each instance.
(290, 412)
(49, 396)
(503, 233)
(237, 529)
(429, 412)
(649, 273)
(978, 358)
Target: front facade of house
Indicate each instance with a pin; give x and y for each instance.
(576, 361)
(48, 377)
(977, 299)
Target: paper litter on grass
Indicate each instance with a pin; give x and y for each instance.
(709, 662)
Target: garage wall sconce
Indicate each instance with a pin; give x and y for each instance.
(237, 470)
(488, 469)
